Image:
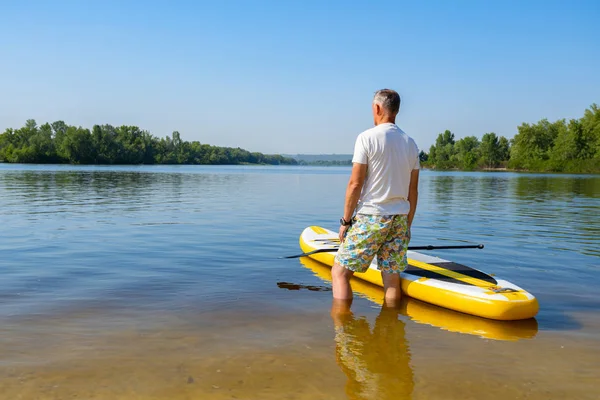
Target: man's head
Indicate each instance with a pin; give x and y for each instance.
(386, 105)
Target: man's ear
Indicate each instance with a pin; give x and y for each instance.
(377, 109)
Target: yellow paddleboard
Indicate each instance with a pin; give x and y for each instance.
(442, 318)
(439, 282)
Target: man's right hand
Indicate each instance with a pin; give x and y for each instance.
(343, 230)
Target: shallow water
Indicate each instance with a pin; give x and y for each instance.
(165, 283)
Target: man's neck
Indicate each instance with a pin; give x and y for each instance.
(386, 121)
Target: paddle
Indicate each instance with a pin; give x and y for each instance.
(429, 247)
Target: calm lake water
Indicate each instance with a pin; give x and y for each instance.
(165, 282)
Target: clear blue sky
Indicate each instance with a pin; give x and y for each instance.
(297, 77)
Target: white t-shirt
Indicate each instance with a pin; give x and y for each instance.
(390, 155)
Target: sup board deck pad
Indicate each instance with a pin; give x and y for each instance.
(438, 281)
(451, 266)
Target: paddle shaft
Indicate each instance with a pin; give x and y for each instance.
(429, 247)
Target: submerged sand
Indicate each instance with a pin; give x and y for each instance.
(301, 355)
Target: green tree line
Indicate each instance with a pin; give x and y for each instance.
(560, 146)
(104, 144)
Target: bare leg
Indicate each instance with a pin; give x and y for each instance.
(340, 278)
(391, 287)
(340, 311)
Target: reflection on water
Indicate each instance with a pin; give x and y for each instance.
(563, 212)
(554, 210)
(377, 361)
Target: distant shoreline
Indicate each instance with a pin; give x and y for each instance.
(59, 143)
(508, 170)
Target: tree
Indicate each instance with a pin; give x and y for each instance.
(467, 152)
(432, 154)
(42, 145)
(533, 144)
(564, 149)
(444, 150)
(490, 150)
(590, 124)
(131, 146)
(77, 146)
(503, 149)
(99, 143)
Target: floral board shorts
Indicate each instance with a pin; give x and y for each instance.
(384, 236)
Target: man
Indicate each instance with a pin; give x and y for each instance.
(383, 191)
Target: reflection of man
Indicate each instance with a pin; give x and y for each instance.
(376, 363)
(383, 184)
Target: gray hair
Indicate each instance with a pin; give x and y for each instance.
(388, 99)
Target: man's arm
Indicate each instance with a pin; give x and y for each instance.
(355, 185)
(413, 195)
